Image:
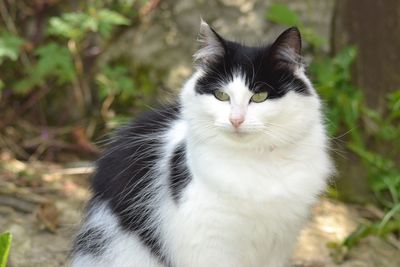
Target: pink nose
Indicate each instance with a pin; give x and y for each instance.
(236, 121)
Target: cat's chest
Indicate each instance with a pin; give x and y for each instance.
(236, 232)
(234, 163)
(237, 207)
(247, 175)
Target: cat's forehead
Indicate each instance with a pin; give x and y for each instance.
(250, 68)
(237, 88)
(241, 54)
(242, 67)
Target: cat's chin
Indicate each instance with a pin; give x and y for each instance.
(240, 137)
(247, 139)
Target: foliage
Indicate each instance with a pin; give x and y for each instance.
(53, 61)
(9, 46)
(9, 49)
(5, 244)
(332, 78)
(60, 59)
(76, 25)
(282, 14)
(113, 81)
(348, 114)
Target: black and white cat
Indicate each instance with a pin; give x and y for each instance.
(224, 178)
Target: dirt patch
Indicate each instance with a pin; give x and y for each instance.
(41, 205)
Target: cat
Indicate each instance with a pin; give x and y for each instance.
(224, 177)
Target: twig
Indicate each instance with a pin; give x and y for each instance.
(78, 86)
(7, 18)
(6, 142)
(148, 7)
(17, 204)
(74, 171)
(26, 105)
(9, 189)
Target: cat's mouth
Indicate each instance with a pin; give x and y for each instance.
(240, 132)
(237, 133)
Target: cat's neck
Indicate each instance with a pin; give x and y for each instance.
(234, 170)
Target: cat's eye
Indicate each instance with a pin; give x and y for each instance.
(259, 97)
(221, 96)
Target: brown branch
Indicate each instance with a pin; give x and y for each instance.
(32, 100)
(148, 7)
(17, 204)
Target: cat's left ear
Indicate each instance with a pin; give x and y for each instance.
(286, 50)
(212, 45)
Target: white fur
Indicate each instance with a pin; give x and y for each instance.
(124, 250)
(210, 45)
(251, 189)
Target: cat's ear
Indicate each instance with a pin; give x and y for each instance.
(212, 45)
(285, 51)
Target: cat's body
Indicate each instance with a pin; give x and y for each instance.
(208, 182)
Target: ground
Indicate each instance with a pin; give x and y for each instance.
(41, 205)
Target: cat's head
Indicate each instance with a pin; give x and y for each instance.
(251, 96)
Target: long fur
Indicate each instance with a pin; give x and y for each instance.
(182, 187)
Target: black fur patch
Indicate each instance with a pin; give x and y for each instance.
(179, 173)
(262, 71)
(123, 174)
(92, 241)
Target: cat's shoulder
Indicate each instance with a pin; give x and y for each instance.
(131, 149)
(149, 122)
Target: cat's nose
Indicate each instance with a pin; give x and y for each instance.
(236, 121)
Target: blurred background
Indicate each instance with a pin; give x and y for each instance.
(72, 71)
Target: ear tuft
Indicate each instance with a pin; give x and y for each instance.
(212, 45)
(287, 47)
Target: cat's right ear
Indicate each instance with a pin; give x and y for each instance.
(212, 45)
(285, 51)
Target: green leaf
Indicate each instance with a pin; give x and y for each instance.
(69, 25)
(324, 73)
(361, 232)
(112, 17)
(53, 61)
(394, 104)
(5, 244)
(10, 46)
(373, 158)
(281, 14)
(346, 57)
(108, 19)
(312, 37)
(76, 25)
(115, 80)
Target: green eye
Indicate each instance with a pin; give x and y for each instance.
(221, 96)
(259, 97)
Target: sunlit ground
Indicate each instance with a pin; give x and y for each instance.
(41, 205)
